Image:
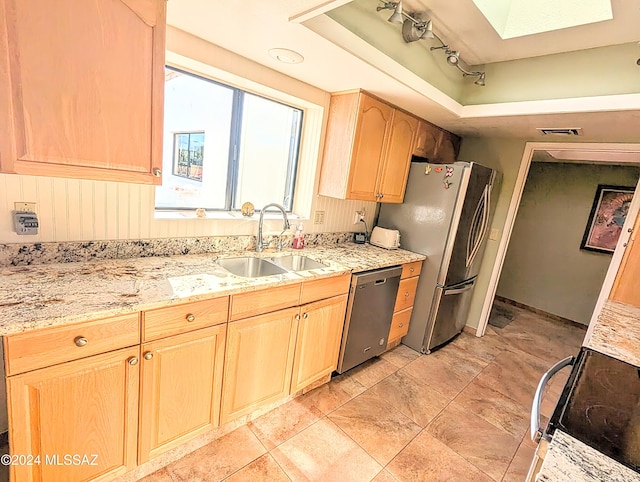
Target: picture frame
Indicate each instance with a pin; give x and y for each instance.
(607, 217)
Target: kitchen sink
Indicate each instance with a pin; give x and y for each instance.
(249, 267)
(296, 262)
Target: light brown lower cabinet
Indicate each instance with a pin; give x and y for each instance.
(318, 341)
(258, 362)
(80, 418)
(180, 389)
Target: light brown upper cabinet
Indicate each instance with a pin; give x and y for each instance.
(81, 88)
(626, 287)
(436, 144)
(367, 149)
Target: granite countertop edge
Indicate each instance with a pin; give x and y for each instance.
(41, 296)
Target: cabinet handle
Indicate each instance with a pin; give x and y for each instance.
(191, 317)
(80, 341)
(305, 316)
(133, 361)
(148, 355)
(156, 172)
(298, 317)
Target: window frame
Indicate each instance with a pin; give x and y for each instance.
(233, 158)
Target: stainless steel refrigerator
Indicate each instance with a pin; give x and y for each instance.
(445, 216)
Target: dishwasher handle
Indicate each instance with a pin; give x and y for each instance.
(536, 430)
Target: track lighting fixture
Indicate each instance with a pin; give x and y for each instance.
(416, 26)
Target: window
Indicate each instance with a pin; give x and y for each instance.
(187, 155)
(224, 146)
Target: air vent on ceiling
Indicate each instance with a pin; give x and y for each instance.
(561, 131)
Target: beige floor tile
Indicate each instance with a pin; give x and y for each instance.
(337, 392)
(372, 371)
(400, 356)
(265, 468)
(417, 400)
(494, 407)
(426, 459)
(487, 447)
(447, 370)
(161, 475)
(323, 452)
(220, 458)
(384, 476)
(515, 374)
(284, 422)
(485, 348)
(519, 466)
(379, 429)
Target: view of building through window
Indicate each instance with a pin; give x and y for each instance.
(224, 147)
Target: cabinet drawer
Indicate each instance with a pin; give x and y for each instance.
(258, 302)
(182, 318)
(325, 288)
(406, 293)
(411, 269)
(400, 324)
(42, 348)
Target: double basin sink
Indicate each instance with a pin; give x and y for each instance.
(250, 267)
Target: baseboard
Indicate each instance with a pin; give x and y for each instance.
(540, 312)
(470, 329)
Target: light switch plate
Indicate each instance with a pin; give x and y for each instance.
(494, 234)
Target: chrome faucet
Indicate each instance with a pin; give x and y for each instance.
(285, 226)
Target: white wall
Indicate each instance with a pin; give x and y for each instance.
(74, 210)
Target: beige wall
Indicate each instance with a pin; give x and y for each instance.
(78, 210)
(545, 267)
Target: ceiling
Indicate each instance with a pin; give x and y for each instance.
(251, 27)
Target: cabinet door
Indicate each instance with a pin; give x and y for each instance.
(427, 139)
(626, 287)
(258, 362)
(81, 90)
(318, 342)
(448, 147)
(85, 407)
(374, 122)
(181, 386)
(395, 169)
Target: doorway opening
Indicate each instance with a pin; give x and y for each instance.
(542, 266)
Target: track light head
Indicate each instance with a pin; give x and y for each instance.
(480, 80)
(453, 57)
(397, 17)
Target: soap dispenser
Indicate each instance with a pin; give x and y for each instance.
(298, 238)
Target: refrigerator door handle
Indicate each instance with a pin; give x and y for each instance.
(462, 289)
(479, 225)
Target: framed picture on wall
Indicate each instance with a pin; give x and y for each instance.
(608, 214)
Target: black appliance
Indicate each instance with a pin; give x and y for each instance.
(600, 406)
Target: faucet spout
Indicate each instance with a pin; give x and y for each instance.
(285, 226)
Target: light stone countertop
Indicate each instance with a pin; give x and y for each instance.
(39, 296)
(617, 334)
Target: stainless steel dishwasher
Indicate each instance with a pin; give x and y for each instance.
(372, 297)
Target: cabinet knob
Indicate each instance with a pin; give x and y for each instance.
(191, 317)
(297, 317)
(630, 230)
(624, 245)
(305, 316)
(381, 196)
(156, 172)
(148, 355)
(133, 361)
(406, 294)
(411, 270)
(400, 325)
(80, 341)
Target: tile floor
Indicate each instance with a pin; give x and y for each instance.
(459, 414)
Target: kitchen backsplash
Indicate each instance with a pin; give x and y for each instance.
(16, 254)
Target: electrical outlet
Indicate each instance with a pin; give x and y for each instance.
(318, 217)
(494, 234)
(25, 207)
(358, 215)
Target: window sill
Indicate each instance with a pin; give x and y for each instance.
(223, 216)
